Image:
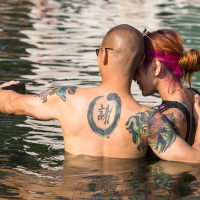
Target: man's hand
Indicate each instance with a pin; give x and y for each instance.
(8, 84)
(196, 109)
(16, 86)
(196, 112)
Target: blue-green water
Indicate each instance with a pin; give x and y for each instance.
(51, 42)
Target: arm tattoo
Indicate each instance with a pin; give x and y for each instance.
(138, 128)
(104, 114)
(170, 116)
(60, 91)
(150, 127)
(161, 133)
(174, 122)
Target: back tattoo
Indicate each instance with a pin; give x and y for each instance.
(103, 116)
(60, 91)
(151, 128)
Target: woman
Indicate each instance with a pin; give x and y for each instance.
(164, 66)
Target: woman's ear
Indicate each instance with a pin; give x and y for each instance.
(157, 68)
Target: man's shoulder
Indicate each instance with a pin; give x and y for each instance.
(148, 112)
(60, 91)
(138, 126)
(145, 114)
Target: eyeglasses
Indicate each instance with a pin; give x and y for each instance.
(145, 32)
(97, 50)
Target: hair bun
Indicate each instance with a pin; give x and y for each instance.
(190, 63)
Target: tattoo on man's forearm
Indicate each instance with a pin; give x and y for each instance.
(105, 111)
(60, 91)
(151, 128)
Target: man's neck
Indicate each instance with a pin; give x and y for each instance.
(117, 84)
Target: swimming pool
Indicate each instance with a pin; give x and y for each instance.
(51, 42)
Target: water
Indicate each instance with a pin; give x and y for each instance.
(52, 42)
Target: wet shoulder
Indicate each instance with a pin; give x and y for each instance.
(138, 126)
(61, 91)
(151, 128)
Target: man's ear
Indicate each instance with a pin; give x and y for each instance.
(104, 56)
(142, 60)
(157, 68)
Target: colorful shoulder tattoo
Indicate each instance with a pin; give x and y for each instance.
(151, 128)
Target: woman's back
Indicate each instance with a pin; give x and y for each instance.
(179, 112)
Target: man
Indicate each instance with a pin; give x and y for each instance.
(106, 120)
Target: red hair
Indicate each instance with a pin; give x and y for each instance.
(169, 42)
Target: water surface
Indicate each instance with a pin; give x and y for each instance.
(51, 42)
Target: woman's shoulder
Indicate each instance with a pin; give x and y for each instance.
(196, 91)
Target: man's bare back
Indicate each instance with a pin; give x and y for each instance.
(94, 122)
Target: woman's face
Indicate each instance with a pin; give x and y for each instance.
(144, 77)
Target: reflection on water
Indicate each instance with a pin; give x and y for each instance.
(51, 42)
(84, 177)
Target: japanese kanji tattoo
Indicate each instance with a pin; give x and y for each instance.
(151, 128)
(60, 91)
(109, 111)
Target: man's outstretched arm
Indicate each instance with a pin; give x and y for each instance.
(44, 106)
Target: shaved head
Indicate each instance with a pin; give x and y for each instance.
(128, 47)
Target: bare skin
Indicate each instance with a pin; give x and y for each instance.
(106, 120)
(197, 120)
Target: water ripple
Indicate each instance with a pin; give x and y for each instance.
(51, 42)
